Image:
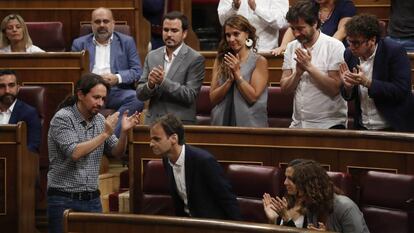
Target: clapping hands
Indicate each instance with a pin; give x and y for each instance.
(356, 77)
(275, 207)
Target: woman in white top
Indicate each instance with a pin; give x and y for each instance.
(15, 37)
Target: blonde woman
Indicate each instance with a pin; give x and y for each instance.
(15, 37)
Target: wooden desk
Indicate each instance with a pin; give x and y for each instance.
(57, 73)
(72, 12)
(275, 67)
(349, 151)
(17, 180)
(130, 223)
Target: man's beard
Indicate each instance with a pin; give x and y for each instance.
(7, 99)
(103, 35)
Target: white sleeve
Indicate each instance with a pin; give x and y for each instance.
(273, 15)
(225, 10)
(337, 57)
(288, 57)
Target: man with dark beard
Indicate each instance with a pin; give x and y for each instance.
(311, 71)
(78, 137)
(114, 57)
(13, 110)
(173, 74)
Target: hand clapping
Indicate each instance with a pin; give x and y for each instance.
(303, 59)
(110, 123)
(156, 76)
(129, 121)
(232, 61)
(356, 77)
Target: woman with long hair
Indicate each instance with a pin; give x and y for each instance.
(311, 195)
(289, 210)
(15, 37)
(326, 208)
(240, 77)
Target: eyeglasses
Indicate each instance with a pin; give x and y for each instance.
(356, 43)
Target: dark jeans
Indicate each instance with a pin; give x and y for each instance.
(58, 204)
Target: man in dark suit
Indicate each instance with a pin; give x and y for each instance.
(197, 185)
(13, 110)
(377, 75)
(173, 74)
(113, 56)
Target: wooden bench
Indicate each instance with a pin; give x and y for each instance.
(17, 180)
(275, 67)
(346, 151)
(57, 73)
(129, 223)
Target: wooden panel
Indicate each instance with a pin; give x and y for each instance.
(360, 2)
(128, 223)
(337, 149)
(372, 2)
(57, 72)
(17, 178)
(381, 11)
(275, 67)
(72, 12)
(274, 63)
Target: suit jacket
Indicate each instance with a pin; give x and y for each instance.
(208, 192)
(390, 88)
(178, 92)
(124, 58)
(28, 114)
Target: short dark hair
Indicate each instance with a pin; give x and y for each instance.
(171, 125)
(84, 84)
(177, 15)
(306, 10)
(8, 72)
(365, 25)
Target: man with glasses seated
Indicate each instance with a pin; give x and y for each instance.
(377, 76)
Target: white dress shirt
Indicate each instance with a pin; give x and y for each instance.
(371, 117)
(30, 49)
(267, 18)
(312, 108)
(168, 62)
(103, 58)
(5, 116)
(179, 176)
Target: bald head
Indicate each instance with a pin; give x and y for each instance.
(102, 24)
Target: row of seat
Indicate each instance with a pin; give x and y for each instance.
(386, 199)
(279, 108)
(49, 35)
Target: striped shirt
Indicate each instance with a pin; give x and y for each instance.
(67, 129)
